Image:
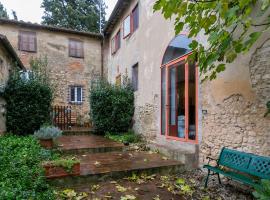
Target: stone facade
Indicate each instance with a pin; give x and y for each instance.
(7, 64)
(64, 71)
(230, 109)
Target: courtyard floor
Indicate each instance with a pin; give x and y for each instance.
(184, 186)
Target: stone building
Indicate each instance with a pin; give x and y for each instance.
(73, 57)
(178, 115)
(9, 60)
(182, 117)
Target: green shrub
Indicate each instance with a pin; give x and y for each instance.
(263, 192)
(28, 102)
(129, 137)
(112, 107)
(22, 176)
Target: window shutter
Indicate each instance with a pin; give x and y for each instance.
(76, 48)
(135, 77)
(135, 18)
(27, 41)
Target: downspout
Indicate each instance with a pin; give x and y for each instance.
(102, 58)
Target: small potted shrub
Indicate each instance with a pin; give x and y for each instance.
(46, 135)
(62, 167)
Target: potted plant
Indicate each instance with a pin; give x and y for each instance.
(46, 135)
(62, 167)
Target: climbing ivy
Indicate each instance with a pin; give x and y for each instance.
(230, 26)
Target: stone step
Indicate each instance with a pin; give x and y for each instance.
(100, 166)
(188, 157)
(78, 132)
(80, 144)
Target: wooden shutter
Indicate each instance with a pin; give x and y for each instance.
(27, 41)
(135, 18)
(76, 48)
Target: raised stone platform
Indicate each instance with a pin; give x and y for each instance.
(119, 164)
(77, 144)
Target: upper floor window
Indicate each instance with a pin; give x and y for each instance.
(76, 48)
(76, 94)
(27, 41)
(135, 18)
(127, 26)
(116, 42)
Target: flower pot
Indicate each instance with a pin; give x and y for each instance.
(58, 172)
(46, 143)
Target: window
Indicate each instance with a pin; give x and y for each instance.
(127, 27)
(135, 18)
(76, 94)
(27, 41)
(118, 80)
(135, 78)
(76, 48)
(116, 42)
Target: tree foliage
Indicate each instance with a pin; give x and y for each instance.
(80, 15)
(230, 26)
(3, 12)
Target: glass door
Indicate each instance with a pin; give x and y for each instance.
(181, 101)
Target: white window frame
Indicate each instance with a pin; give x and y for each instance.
(76, 94)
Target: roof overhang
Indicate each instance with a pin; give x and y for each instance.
(23, 24)
(10, 50)
(117, 13)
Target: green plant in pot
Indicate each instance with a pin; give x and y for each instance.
(62, 167)
(47, 135)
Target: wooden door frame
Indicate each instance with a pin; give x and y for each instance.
(167, 117)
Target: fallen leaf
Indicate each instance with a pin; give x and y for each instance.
(128, 197)
(164, 158)
(121, 188)
(97, 163)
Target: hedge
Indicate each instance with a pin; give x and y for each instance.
(112, 107)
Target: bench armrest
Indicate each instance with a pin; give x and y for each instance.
(212, 159)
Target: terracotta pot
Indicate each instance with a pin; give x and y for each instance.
(46, 143)
(58, 172)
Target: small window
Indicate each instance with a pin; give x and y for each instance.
(127, 27)
(76, 48)
(27, 41)
(135, 77)
(116, 42)
(76, 94)
(118, 80)
(135, 18)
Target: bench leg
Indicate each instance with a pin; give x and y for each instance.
(219, 180)
(206, 180)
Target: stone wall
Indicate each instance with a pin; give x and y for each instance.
(238, 122)
(6, 65)
(65, 71)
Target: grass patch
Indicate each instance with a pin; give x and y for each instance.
(128, 137)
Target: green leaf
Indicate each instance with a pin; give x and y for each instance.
(221, 68)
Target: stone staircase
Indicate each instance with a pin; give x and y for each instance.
(103, 158)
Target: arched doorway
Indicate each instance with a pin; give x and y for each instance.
(179, 80)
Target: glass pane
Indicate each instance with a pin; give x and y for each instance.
(192, 102)
(181, 101)
(172, 96)
(177, 48)
(79, 94)
(72, 94)
(163, 100)
(127, 26)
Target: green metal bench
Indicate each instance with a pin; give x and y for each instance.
(240, 166)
